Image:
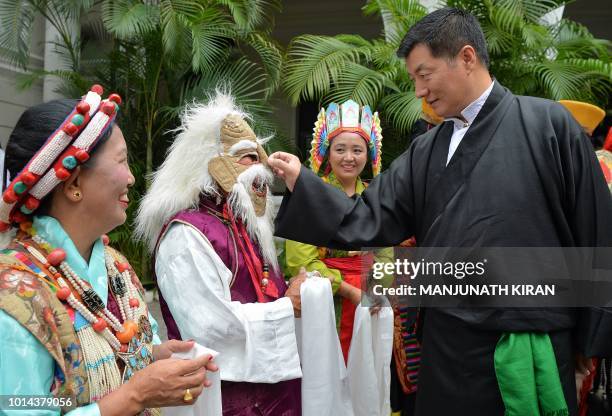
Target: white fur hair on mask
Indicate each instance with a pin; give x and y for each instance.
(181, 180)
(259, 228)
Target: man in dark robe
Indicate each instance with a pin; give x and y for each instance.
(501, 171)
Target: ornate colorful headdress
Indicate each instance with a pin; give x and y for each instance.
(64, 150)
(342, 118)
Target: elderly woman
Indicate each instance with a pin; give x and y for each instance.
(73, 323)
(339, 152)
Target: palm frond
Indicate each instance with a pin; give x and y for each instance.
(244, 79)
(249, 14)
(71, 8)
(314, 63)
(359, 83)
(211, 37)
(129, 18)
(402, 110)
(562, 80)
(498, 40)
(247, 83)
(506, 16)
(271, 58)
(73, 84)
(401, 14)
(16, 18)
(176, 36)
(535, 36)
(176, 16)
(94, 29)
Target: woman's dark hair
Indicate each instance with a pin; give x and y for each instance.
(33, 129)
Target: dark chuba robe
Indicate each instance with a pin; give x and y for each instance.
(524, 175)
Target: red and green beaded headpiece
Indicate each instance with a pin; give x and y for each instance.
(345, 118)
(64, 150)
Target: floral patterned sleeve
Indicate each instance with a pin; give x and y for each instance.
(27, 368)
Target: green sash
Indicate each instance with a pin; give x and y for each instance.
(528, 376)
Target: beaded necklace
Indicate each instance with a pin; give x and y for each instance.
(102, 336)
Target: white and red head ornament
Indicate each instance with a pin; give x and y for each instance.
(63, 151)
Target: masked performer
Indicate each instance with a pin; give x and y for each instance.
(208, 219)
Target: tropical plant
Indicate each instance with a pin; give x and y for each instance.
(158, 55)
(528, 55)
(336, 68)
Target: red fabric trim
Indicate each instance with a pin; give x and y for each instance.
(585, 389)
(351, 268)
(252, 260)
(608, 143)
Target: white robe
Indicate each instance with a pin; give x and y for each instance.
(256, 341)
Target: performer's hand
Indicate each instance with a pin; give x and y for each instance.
(286, 166)
(167, 348)
(293, 291)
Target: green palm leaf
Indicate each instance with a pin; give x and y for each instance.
(71, 8)
(247, 83)
(211, 38)
(498, 40)
(402, 13)
(16, 18)
(128, 18)
(175, 17)
(562, 80)
(315, 62)
(401, 110)
(271, 58)
(359, 83)
(249, 14)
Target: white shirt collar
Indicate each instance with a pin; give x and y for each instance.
(471, 111)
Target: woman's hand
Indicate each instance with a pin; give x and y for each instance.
(350, 292)
(162, 383)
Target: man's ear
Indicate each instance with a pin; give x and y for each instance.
(72, 186)
(468, 57)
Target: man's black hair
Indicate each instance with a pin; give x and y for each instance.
(445, 32)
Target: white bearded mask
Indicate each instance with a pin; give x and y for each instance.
(246, 186)
(203, 160)
(239, 141)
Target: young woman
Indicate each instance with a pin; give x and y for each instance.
(345, 138)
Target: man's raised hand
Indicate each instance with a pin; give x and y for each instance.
(286, 166)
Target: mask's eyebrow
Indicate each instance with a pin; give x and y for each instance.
(242, 145)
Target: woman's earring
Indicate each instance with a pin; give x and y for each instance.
(77, 195)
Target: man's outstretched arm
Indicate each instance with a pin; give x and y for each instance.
(317, 213)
